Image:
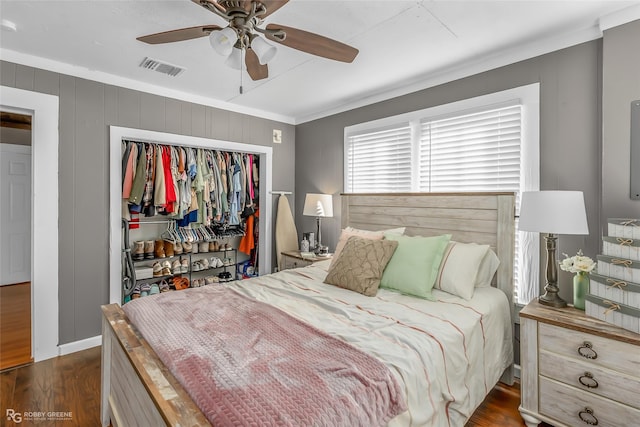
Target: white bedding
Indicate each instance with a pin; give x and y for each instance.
(448, 354)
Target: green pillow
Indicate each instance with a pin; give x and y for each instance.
(413, 268)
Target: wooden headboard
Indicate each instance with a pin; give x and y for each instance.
(483, 218)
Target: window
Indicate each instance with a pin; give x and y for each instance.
(489, 143)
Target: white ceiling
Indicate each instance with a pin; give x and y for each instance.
(404, 46)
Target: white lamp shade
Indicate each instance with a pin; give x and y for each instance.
(234, 60)
(223, 40)
(264, 51)
(320, 205)
(554, 212)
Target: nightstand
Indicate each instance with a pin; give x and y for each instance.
(293, 259)
(577, 370)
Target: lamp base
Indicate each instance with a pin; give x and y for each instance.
(552, 299)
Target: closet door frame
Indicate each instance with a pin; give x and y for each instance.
(117, 134)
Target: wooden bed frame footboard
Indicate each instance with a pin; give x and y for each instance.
(138, 390)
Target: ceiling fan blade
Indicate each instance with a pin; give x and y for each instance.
(314, 44)
(272, 6)
(179, 35)
(256, 70)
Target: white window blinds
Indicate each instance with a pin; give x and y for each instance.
(472, 152)
(379, 160)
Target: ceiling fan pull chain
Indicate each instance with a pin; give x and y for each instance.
(241, 68)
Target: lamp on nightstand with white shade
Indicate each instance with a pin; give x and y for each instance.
(553, 212)
(320, 206)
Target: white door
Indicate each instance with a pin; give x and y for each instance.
(15, 214)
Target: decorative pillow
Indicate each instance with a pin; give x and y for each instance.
(414, 266)
(365, 234)
(360, 265)
(487, 270)
(459, 269)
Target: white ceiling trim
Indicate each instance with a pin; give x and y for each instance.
(620, 17)
(106, 78)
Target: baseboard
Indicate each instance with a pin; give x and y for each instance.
(516, 371)
(84, 344)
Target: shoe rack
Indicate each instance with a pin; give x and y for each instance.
(160, 265)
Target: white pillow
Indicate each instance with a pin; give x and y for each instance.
(459, 268)
(365, 234)
(487, 270)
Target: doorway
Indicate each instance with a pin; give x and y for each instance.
(15, 239)
(44, 110)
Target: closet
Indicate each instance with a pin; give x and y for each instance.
(190, 216)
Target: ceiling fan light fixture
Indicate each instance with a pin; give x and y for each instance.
(264, 50)
(234, 60)
(223, 40)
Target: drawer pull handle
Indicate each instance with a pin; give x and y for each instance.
(588, 381)
(586, 351)
(586, 415)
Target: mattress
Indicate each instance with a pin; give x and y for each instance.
(445, 354)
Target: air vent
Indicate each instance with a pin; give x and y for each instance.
(161, 67)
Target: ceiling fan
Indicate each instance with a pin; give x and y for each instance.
(243, 33)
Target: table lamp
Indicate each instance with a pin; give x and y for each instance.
(320, 206)
(553, 212)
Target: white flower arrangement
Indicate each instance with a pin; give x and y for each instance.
(577, 263)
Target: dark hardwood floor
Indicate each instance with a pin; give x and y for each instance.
(71, 383)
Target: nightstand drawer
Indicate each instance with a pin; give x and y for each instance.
(289, 262)
(567, 405)
(591, 349)
(590, 378)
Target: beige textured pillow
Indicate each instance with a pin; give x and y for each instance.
(365, 234)
(459, 268)
(360, 265)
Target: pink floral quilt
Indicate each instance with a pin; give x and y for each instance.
(245, 362)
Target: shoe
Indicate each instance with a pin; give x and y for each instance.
(227, 262)
(137, 253)
(180, 283)
(149, 249)
(219, 263)
(177, 248)
(157, 269)
(184, 265)
(216, 246)
(155, 289)
(227, 247)
(159, 249)
(135, 294)
(186, 247)
(205, 264)
(164, 286)
(166, 268)
(176, 267)
(203, 247)
(210, 280)
(212, 246)
(145, 288)
(194, 248)
(168, 248)
(196, 266)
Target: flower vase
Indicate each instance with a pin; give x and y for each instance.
(580, 289)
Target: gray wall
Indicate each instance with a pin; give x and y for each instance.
(570, 148)
(87, 109)
(621, 85)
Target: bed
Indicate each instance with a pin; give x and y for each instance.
(442, 356)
